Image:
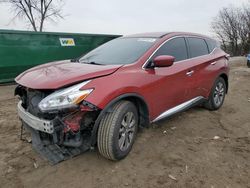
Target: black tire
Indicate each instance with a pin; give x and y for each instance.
(248, 63)
(112, 132)
(212, 103)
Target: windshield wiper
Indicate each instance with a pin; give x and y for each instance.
(76, 60)
(91, 62)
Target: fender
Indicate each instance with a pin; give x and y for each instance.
(144, 119)
(221, 72)
(224, 75)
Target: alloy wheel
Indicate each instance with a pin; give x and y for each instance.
(127, 130)
(219, 94)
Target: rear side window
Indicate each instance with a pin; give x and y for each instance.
(175, 47)
(197, 47)
(212, 44)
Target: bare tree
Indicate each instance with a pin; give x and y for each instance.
(245, 24)
(36, 12)
(232, 27)
(225, 25)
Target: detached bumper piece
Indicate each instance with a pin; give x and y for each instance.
(50, 139)
(53, 152)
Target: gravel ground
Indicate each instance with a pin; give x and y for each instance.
(196, 148)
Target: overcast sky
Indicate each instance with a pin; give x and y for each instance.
(130, 16)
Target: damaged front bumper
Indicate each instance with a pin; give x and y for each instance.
(33, 121)
(51, 139)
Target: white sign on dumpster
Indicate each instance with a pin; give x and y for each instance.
(67, 42)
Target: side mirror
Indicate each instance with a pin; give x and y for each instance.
(164, 61)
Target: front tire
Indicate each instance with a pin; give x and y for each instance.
(117, 131)
(217, 95)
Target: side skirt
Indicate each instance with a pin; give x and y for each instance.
(179, 108)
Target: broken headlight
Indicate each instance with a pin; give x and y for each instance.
(65, 98)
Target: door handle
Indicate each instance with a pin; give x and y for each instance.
(213, 63)
(189, 73)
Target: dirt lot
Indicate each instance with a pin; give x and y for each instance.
(182, 147)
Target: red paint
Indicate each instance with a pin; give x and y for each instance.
(58, 74)
(164, 61)
(162, 88)
(73, 122)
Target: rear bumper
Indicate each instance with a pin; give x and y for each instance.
(33, 121)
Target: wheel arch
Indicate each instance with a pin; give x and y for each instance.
(142, 107)
(225, 77)
(135, 98)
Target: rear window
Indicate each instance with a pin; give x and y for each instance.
(197, 47)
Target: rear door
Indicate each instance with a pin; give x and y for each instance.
(198, 66)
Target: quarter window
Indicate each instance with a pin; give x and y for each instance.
(211, 44)
(175, 47)
(197, 47)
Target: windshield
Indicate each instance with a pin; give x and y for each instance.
(118, 51)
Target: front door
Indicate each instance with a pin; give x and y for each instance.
(171, 87)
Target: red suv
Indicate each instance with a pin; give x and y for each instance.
(103, 97)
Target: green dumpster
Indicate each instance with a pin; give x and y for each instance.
(20, 50)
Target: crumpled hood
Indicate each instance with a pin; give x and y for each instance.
(61, 73)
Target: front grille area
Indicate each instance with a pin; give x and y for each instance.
(33, 99)
(30, 100)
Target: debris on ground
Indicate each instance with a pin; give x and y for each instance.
(35, 165)
(126, 184)
(216, 138)
(186, 169)
(172, 177)
(10, 169)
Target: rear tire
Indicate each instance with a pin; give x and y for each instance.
(217, 95)
(117, 131)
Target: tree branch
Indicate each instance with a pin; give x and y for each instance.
(36, 12)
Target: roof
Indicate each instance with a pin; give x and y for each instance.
(163, 34)
(149, 35)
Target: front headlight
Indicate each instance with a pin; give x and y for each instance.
(65, 98)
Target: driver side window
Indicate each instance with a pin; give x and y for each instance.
(175, 47)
